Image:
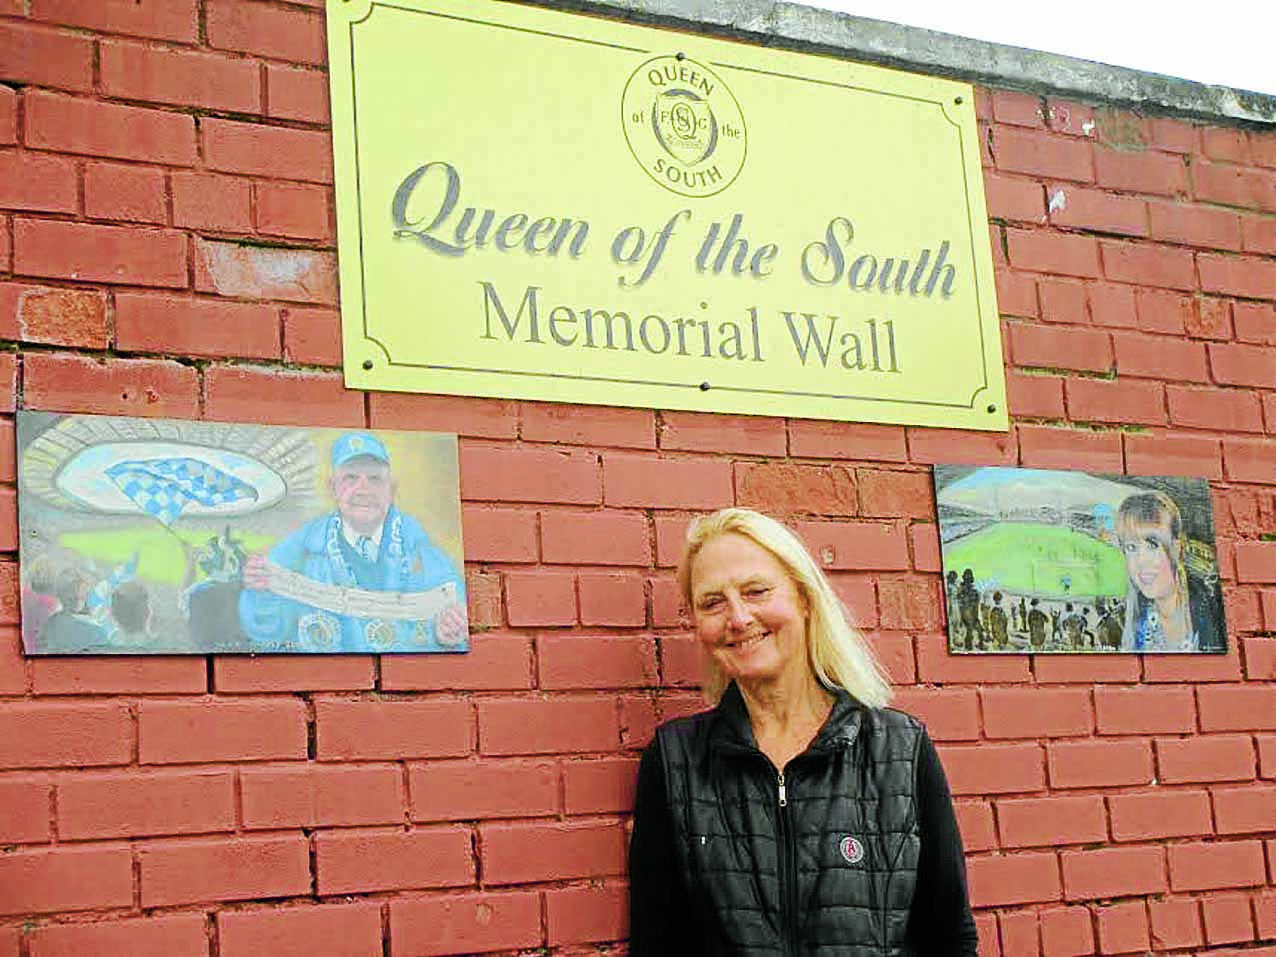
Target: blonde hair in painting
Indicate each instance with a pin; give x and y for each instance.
(840, 656)
(1153, 515)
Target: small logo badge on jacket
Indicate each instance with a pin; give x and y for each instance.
(852, 850)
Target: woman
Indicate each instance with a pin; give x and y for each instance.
(799, 816)
(1166, 607)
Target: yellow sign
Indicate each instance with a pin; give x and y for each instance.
(542, 205)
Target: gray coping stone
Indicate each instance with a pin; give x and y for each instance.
(794, 26)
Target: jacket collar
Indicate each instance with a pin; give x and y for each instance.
(732, 731)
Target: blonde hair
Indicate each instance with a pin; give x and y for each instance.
(1153, 515)
(840, 656)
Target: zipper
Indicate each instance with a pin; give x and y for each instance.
(788, 871)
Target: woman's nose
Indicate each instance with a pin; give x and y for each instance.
(738, 614)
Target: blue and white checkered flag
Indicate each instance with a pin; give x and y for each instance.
(162, 488)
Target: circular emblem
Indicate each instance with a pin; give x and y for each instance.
(379, 634)
(317, 630)
(684, 126)
(852, 850)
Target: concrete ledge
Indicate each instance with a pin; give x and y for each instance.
(797, 27)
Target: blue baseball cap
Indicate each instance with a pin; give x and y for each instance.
(354, 445)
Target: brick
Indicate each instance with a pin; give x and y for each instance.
(1064, 301)
(296, 94)
(930, 446)
(613, 599)
(312, 336)
(644, 481)
(469, 790)
(465, 923)
(1226, 410)
(600, 786)
(846, 440)
(311, 795)
(910, 604)
(1017, 293)
(1265, 914)
(975, 822)
(1013, 879)
(125, 193)
(591, 663)
(1248, 707)
(1245, 810)
(393, 729)
(1145, 710)
(568, 850)
(1159, 814)
(1123, 928)
(787, 488)
(1088, 350)
(640, 714)
(1142, 172)
(201, 327)
(1258, 234)
(493, 662)
(118, 675)
(581, 914)
(8, 116)
(361, 861)
(1237, 186)
(280, 33)
(65, 879)
(38, 181)
(289, 673)
(211, 201)
(1052, 821)
(129, 804)
(1209, 318)
(935, 664)
(1070, 118)
(1055, 253)
(464, 415)
(1043, 154)
(295, 210)
(137, 71)
(95, 253)
(1173, 669)
(541, 598)
(924, 539)
(1227, 919)
(588, 425)
(1034, 396)
(1159, 357)
(855, 545)
(1164, 312)
(46, 735)
(556, 725)
(1090, 764)
(1210, 757)
(39, 56)
(196, 870)
(1045, 448)
(994, 768)
(159, 19)
(26, 810)
(1080, 208)
(1036, 712)
(1146, 264)
(894, 494)
(1118, 400)
(1194, 225)
(1017, 109)
(280, 396)
(950, 714)
(1013, 199)
(1066, 932)
(1019, 933)
(499, 534)
(546, 476)
(178, 732)
(1113, 872)
(1237, 364)
(1260, 659)
(66, 124)
(1175, 923)
(681, 661)
(335, 930)
(1254, 322)
(74, 317)
(1200, 867)
(181, 935)
(269, 151)
(594, 538)
(858, 594)
(711, 432)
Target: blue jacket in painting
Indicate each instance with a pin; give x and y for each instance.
(407, 561)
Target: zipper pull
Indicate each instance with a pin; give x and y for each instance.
(784, 800)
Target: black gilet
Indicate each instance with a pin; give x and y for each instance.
(830, 867)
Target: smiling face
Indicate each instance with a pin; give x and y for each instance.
(363, 491)
(748, 613)
(1149, 563)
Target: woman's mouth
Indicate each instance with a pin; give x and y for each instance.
(746, 644)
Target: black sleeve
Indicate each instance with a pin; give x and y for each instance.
(940, 923)
(660, 919)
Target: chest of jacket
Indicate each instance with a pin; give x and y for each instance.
(827, 868)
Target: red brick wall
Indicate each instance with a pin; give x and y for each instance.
(166, 249)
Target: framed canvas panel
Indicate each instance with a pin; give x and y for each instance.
(1042, 561)
(156, 536)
